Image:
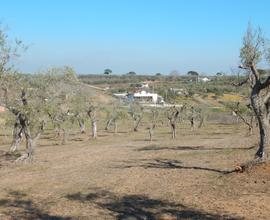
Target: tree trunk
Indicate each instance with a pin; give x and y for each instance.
(263, 123)
(115, 127)
(30, 142)
(65, 136)
(192, 124)
(82, 126)
(57, 130)
(137, 123)
(264, 145)
(173, 127)
(151, 131)
(151, 134)
(94, 129)
(17, 136)
(202, 120)
(29, 146)
(92, 115)
(108, 124)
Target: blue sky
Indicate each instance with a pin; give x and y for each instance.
(145, 36)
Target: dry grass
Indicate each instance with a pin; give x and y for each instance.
(124, 176)
(232, 98)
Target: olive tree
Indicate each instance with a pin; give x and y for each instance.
(27, 107)
(173, 115)
(78, 113)
(33, 100)
(92, 114)
(254, 51)
(16, 92)
(114, 115)
(136, 111)
(69, 102)
(153, 122)
(196, 117)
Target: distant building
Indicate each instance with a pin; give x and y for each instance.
(146, 97)
(142, 97)
(204, 79)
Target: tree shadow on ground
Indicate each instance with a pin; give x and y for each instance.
(191, 148)
(17, 206)
(212, 138)
(221, 133)
(141, 207)
(8, 157)
(168, 164)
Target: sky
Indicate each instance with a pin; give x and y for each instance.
(145, 36)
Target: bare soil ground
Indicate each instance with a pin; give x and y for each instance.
(124, 176)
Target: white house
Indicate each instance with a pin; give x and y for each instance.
(204, 79)
(141, 97)
(146, 97)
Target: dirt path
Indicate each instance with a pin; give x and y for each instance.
(125, 177)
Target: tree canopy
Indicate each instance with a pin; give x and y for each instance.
(107, 71)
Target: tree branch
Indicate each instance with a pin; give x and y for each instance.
(236, 110)
(266, 83)
(241, 83)
(254, 71)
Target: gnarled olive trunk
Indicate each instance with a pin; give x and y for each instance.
(94, 129)
(115, 127)
(264, 145)
(30, 141)
(17, 136)
(173, 128)
(173, 116)
(30, 144)
(151, 131)
(93, 117)
(263, 124)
